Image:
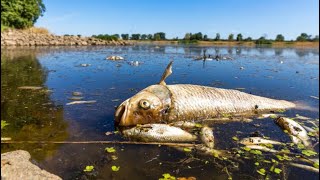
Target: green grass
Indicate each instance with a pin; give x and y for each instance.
(3, 28)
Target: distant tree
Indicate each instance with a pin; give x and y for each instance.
(20, 13)
(239, 37)
(205, 37)
(187, 36)
(149, 36)
(135, 36)
(316, 38)
(160, 36)
(304, 37)
(199, 36)
(263, 40)
(143, 37)
(217, 38)
(230, 37)
(116, 35)
(125, 36)
(157, 37)
(279, 37)
(248, 39)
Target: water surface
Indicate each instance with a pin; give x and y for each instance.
(290, 74)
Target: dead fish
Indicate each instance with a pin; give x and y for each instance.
(305, 167)
(294, 129)
(81, 102)
(158, 133)
(184, 124)
(262, 148)
(207, 136)
(258, 140)
(115, 58)
(186, 102)
(262, 116)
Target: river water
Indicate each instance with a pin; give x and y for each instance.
(34, 115)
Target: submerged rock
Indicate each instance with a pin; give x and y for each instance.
(16, 165)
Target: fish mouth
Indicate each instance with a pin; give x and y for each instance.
(121, 113)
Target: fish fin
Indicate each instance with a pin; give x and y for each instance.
(166, 73)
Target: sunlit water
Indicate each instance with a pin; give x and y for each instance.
(290, 74)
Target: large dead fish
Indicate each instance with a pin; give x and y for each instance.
(158, 133)
(186, 102)
(296, 131)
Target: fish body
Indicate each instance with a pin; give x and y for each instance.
(258, 140)
(186, 102)
(262, 148)
(294, 129)
(207, 137)
(158, 133)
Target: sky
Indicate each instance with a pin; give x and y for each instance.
(254, 18)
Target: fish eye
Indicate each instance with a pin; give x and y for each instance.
(144, 104)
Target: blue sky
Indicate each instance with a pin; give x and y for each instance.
(253, 18)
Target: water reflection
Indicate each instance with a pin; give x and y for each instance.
(30, 113)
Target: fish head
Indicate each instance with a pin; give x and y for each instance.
(147, 106)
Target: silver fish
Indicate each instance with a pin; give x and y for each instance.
(158, 133)
(207, 136)
(262, 148)
(294, 129)
(186, 102)
(258, 140)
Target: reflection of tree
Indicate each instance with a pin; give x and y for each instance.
(230, 49)
(278, 51)
(30, 113)
(238, 51)
(301, 52)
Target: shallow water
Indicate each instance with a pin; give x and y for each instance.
(290, 74)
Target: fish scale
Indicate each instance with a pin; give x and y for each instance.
(193, 102)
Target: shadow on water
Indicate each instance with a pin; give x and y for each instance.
(30, 113)
(287, 73)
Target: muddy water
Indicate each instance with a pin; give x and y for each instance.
(291, 74)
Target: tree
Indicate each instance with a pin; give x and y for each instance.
(217, 38)
(143, 37)
(230, 37)
(239, 37)
(125, 36)
(116, 35)
(205, 37)
(157, 37)
(160, 36)
(187, 36)
(20, 13)
(135, 36)
(248, 39)
(304, 37)
(149, 36)
(316, 38)
(279, 37)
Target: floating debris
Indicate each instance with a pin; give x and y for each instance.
(305, 167)
(81, 102)
(30, 87)
(315, 97)
(85, 65)
(114, 58)
(115, 100)
(77, 93)
(135, 63)
(75, 98)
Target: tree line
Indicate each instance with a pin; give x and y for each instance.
(193, 37)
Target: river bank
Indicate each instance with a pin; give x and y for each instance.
(30, 38)
(234, 43)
